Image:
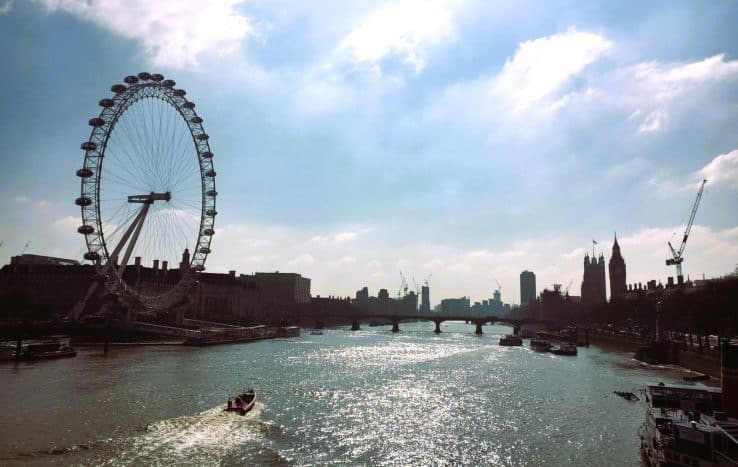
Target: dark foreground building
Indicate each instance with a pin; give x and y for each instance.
(45, 288)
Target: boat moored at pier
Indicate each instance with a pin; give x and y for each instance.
(564, 348)
(511, 340)
(540, 345)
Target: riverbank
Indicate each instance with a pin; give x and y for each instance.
(701, 360)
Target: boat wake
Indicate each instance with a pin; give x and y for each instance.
(203, 439)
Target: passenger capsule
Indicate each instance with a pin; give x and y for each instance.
(130, 79)
(211, 173)
(211, 193)
(144, 76)
(107, 103)
(203, 137)
(196, 119)
(211, 212)
(85, 229)
(88, 146)
(180, 92)
(208, 232)
(168, 83)
(189, 105)
(205, 250)
(97, 121)
(83, 201)
(157, 77)
(84, 173)
(92, 256)
(207, 155)
(118, 88)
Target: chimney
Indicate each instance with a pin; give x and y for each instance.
(164, 265)
(729, 377)
(232, 273)
(156, 265)
(680, 280)
(670, 282)
(137, 261)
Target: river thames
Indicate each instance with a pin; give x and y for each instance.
(368, 397)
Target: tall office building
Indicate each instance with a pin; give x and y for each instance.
(527, 287)
(617, 272)
(424, 299)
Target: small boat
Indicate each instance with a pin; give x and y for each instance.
(242, 403)
(44, 350)
(696, 377)
(626, 395)
(564, 348)
(511, 340)
(540, 345)
(316, 333)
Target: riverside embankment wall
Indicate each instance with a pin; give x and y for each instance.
(703, 360)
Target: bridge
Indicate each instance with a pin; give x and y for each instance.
(356, 317)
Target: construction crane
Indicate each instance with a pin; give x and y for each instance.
(566, 292)
(677, 255)
(417, 290)
(403, 286)
(499, 287)
(425, 282)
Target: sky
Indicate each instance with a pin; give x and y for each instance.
(459, 142)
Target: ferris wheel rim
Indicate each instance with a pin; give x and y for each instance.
(142, 86)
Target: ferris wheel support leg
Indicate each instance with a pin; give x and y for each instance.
(79, 307)
(138, 223)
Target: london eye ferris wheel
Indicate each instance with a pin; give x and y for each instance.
(147, 189)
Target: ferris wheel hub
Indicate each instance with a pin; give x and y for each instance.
(150, 198)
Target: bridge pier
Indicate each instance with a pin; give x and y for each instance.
(395, 326)
(355, 325)
(438, 327)
(478, 331)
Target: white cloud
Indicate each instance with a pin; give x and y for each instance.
(723, 169)
(6, 7)
(342, 261)
(67, 224)
(255, 242)
(374, 264)
(433, 264)
(543, 66)
(303, 260)
(28, 201)
(171, 34)
(405, 29)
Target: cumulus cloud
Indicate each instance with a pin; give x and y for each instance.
(302, 260)
(404, 29)
(28, 201)
(543, 66)
(723, 169)
(6, 7)
(345, 260)
(171, 34)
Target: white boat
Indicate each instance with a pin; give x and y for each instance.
(684, 427)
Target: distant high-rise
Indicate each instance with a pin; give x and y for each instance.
(527, 287)
(424, 299)
(594, 290)
(617, 272)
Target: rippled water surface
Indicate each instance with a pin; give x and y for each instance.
(347, 398)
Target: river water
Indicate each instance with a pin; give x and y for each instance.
(368, 397)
